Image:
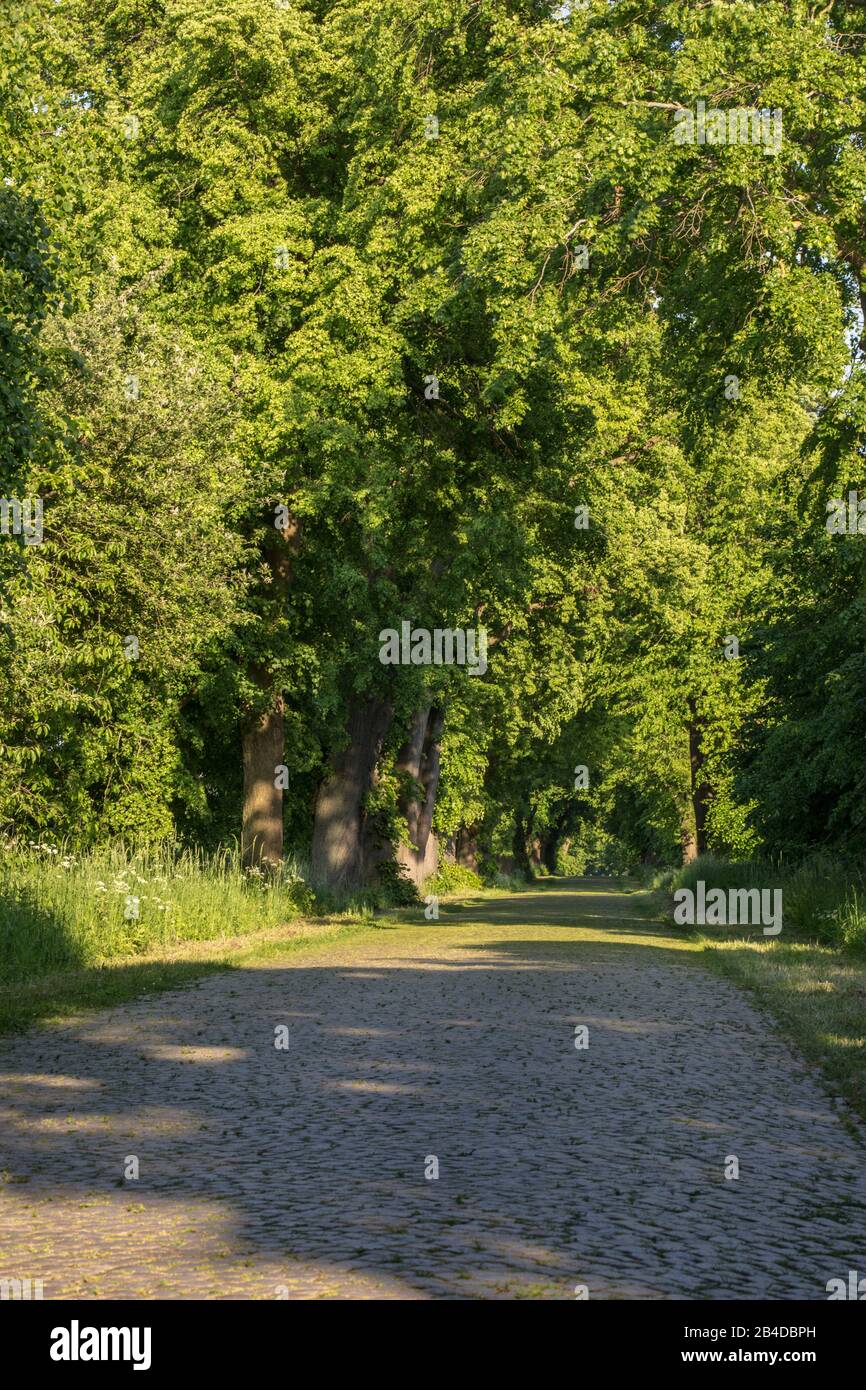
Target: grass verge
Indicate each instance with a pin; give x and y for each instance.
(51, 997)
(817, 994)
(812, 978)
(90, 928)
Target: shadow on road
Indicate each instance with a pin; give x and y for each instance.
(556, 1166)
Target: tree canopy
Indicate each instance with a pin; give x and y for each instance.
(542, 322)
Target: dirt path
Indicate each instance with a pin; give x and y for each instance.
(272, 1173)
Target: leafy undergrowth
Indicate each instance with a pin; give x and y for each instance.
(456, 878)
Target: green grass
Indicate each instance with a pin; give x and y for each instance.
(62, 910)
(86, 930)
(89, 929)
(811, 978)
(823, 899)
(59, 995)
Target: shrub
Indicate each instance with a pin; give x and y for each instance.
(453, 878)
(395, 888)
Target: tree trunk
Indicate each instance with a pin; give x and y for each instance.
(338, 859)
(522, 864)
(431, 768)
(420, 762)
(700, 790)
(262, 739)
(466, 846)
(687, 840)
(262, 743)
(408, 768)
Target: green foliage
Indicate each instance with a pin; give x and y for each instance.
(136, 546)
(237, 207)
(395, 887)
(822, 897)
(453, 878)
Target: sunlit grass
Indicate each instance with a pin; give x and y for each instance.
(61, 909)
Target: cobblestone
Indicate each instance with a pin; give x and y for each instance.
(301, 1173)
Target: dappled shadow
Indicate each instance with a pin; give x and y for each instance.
(557, 1165)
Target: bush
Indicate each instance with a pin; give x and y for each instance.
(395, 888)
(453, 878)
(572, 864)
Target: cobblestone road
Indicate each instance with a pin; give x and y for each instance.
(268, 1173)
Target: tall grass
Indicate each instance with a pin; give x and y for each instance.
(823, 899)
(656, 878)
(61, 909)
